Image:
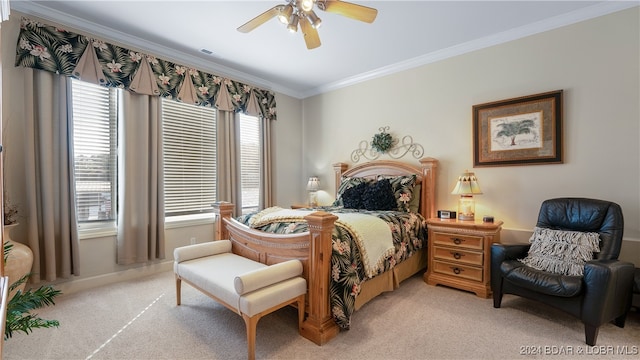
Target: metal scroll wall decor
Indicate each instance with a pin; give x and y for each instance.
(384, 143)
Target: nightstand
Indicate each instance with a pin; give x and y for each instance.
(459, 254)
(299, 206)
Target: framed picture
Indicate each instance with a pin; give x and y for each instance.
(519, 131)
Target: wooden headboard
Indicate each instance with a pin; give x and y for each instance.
(425, 171)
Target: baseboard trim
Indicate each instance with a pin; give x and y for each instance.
(630, 252)
(73, 286)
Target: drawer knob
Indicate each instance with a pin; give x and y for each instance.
(456, 270)
(457, 255)
(457, 241)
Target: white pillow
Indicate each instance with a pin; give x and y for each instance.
(560, 251)
(268, 275)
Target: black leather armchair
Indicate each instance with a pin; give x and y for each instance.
(601, 295)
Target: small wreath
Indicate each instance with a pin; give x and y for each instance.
(382, 142)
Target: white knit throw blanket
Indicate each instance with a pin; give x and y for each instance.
(371, 234)
(561, 252)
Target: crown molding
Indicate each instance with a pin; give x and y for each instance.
(552, 23)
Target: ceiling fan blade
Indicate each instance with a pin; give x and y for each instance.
(350, 10)
(260, 19)
(311, 37)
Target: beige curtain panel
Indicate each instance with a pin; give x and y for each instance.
(140, 180)
(51, 219)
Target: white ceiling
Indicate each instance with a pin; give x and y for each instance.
(405, 34)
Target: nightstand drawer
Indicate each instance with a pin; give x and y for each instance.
(465, 241)
(458, 255)
(458, 270)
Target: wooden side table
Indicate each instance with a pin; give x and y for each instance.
(459, 254)
(299, 206)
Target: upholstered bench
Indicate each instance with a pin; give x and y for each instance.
(245, 286)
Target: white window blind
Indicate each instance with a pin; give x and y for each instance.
(189, 136)
(95, 150)
(250, 151)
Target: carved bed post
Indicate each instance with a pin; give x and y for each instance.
(319, 326)
(428, 200)
(338, 169)
(223, 210)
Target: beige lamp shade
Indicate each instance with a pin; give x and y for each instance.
(313, 184)
(467, 185)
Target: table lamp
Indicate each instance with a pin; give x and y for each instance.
(312, 186)
(466, 187)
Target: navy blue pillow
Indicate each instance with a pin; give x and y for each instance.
(352, 197)
(379, 196)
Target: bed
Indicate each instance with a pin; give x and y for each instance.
(313, 241)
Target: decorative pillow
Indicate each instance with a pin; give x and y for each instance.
(352, 197)
(561, 252)
(346, 183)
(379, 196)
(403, 188)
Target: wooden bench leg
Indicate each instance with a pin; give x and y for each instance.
(251, 323)
(178, 285)
(301, 299)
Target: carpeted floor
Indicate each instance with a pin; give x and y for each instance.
(139, 320)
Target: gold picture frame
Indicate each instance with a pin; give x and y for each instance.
(519, 131)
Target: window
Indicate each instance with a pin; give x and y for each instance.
(250, 151)
(95, 151)
(189, 136)
(189, 139)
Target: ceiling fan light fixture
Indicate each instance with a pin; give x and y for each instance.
(293, 23)
(314, 20)
(300, 13)
(285, 14)
(306, 5)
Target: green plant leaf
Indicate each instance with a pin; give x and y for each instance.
(16, 323)
(19, 307)
(7, 248)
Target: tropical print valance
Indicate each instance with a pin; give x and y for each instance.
(50, 48)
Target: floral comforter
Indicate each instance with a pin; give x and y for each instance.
(409, 233)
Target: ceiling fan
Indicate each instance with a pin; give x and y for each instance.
(300, 13)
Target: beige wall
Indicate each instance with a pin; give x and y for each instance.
(288, 179)
(595, 62)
